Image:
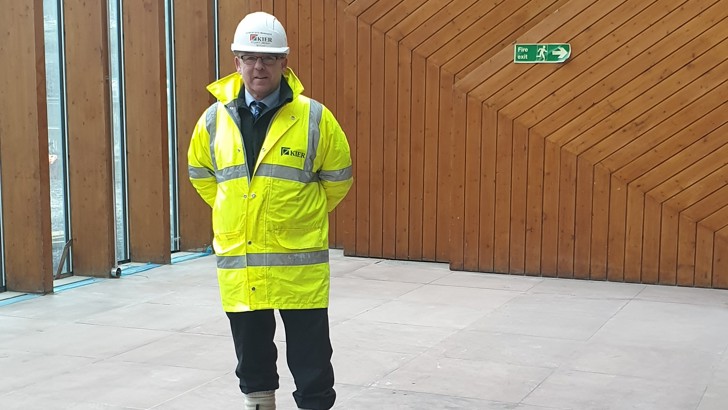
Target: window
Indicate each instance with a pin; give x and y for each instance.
(118, 123)
(57, 136)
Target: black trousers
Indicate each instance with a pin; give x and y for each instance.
(308, 350)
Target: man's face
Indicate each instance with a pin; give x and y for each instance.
(261, 72)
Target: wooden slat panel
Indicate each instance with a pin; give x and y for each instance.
(687, 233)
(617, 226)
(404, 93)
(417, 157)
(89, 138)
(376, 11)
(600, 224)
(583, 219)
(567, 207)
(534, 202)
(502, 35)
(550, 210)
(621, 135)
(704, 257)
(24, 149)
(229, 14)
(472, 184)
(646, 145)
(317, 50)
(363, 131)
(193, 38)
(519, 95)
(347, 97)
(488, 161)
(717, 220)
(421, 16)
(668, 246)
(685, 176)
(357, 7)
(633, 240)
(303, 52)
(720, 262)
(393, 16)
(434, 31)
(591, 113)
(518, 199)
(445, 151)
(293, 36)
(466, 12)
(651, 241)
(147, 141)
(430, 237)
(504, 152)
(389, 164)
(331, 30)
(457, 181)
(459, 33)
(491, 76)
(376, 169)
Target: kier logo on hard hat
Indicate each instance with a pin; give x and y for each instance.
(258, 38)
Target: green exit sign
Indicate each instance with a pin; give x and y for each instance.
(541, 53)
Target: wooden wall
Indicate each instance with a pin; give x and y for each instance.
(610, 166)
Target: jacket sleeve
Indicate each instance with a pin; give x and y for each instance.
(336, 170)
(199, 160)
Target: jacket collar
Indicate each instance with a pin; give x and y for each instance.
(228, 88)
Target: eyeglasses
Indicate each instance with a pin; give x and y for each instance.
(266, 59)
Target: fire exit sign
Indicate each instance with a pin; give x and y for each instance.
(541, 53)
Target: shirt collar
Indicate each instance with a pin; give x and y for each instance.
(269, 101)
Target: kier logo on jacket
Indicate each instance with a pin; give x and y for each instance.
(287, 151)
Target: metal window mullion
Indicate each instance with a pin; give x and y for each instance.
(172, 123)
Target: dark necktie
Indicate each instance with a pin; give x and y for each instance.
(256, 108)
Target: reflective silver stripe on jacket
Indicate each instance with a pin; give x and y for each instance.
(233, 172)
(231, 262)
(273, 259)
(337, 175)
(199, 172)
(211, 126)
(288, 259)
(314, 133)
(285, 172)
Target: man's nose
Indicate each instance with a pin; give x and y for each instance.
(259, 64)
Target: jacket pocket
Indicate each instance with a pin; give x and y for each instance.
(301, 238)
(227, 242)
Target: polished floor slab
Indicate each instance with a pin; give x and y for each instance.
(406, 335)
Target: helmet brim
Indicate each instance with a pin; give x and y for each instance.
(264, 50)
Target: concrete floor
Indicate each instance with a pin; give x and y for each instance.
(405, 335)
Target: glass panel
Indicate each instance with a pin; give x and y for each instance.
(171, 125)
(116, 54)
(55, 89)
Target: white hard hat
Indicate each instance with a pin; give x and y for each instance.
(260, 32)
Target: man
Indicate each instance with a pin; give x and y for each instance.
(272, 163)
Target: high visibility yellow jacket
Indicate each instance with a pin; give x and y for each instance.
(271, 228)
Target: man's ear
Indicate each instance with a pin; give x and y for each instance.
(237, 63)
